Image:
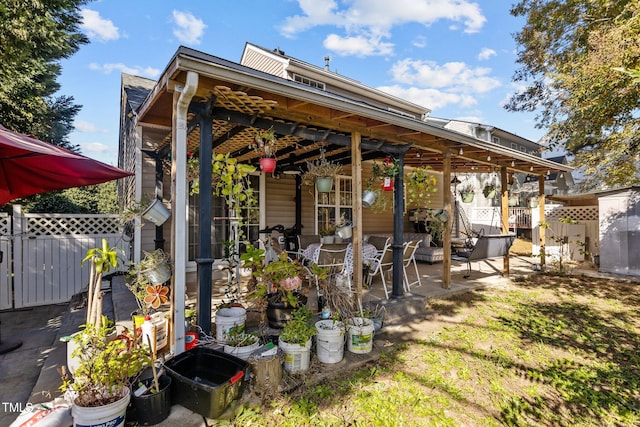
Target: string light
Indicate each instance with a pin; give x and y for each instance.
(488, 157)
(461, 151)
(513, 163)
(531, 168)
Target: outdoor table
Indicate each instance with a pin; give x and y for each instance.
(368, 251)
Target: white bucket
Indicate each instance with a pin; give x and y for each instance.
(360, 335)
(227, 318)
(111, 415)
(157, 213)
(330, 341)
(296, 357)
(242, 352)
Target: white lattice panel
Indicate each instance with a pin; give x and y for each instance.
(65, 225)
(578, 213)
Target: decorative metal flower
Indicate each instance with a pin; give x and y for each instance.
(156, 295)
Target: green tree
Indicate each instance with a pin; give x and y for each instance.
(99, 199)
(34, 37)
(568, 50)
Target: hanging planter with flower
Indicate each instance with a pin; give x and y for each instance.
(387, 171)
(264, 143)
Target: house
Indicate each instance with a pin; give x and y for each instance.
(203, 104)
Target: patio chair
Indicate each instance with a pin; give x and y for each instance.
(381, 265)
(408, 258)
(379, 242)
(304, 240)
(332, 259)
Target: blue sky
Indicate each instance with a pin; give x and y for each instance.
(456, 57)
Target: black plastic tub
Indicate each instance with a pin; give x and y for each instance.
(206, 381)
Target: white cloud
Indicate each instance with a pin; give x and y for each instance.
(420, 41)
(188, 29)
(374, 17)
(87, 127)
(136, 71)
(486, 53)
(435, 86)
(430, 98)
(95, 147)
(357, 46)
(98, 28)
(454, 76)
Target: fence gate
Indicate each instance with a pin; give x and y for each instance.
(47, 254)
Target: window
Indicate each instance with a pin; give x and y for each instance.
(309, 82)
(514, 146)
(495, 140)
(330, 206)
(221, 223)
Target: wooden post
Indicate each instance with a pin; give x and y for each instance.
(356, 206)
(542, 219)
(504, 213)
(446, 235)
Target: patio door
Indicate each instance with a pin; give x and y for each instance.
(331, 206)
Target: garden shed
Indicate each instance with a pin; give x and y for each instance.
(620, 231)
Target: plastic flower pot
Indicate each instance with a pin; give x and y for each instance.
(267, 164)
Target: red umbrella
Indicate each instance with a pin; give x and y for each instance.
(29, 166)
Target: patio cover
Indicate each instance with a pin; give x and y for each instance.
(29, 166)
(207, 103)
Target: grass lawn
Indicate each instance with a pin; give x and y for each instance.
(544, 351)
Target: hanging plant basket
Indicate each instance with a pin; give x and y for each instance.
(267, 164)
(489, 191)
(513, 201)
(324, 184)
(467, 197)
(387, 183)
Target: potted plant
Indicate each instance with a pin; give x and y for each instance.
(330, 336)
(295, 340)
(100, 384)
(387, 171)
(101, 261)
(240, 343)
(467, 193)
(320, 174)
(489, 191)
(264, 143)
(154, 267)
(276, 286)
(420, 185)
(327, 233)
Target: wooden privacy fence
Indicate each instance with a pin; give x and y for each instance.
(42, 255)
